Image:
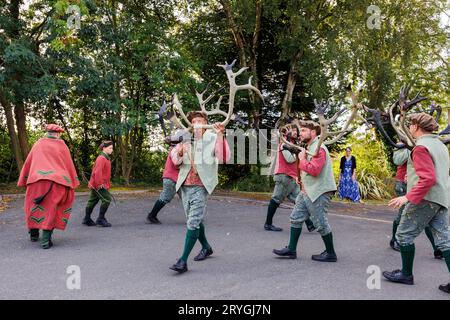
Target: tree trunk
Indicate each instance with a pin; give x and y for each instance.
(19, 111)
(291, 82)
(130, 163)
(85, 147)
(12, 131)
(123, 149)
(237, 34)
(247, 51)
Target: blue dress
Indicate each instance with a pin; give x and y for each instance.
(347, 187)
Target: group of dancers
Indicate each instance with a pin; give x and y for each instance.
(191, 170)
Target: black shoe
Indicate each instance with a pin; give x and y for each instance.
(203, 254)
(286, 252)
(152, 220)
(102, 222)
(88, 222)
(394, 245)
(271, 227)
(34, 235)
(438, 254)
(325, 257)
(445, 287)
(310, 227)
(180, 266)
(397, 276)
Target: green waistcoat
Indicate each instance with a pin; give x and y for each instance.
(440, 192)
(204, 161)
(324, 182)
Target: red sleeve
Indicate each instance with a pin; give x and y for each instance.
(97, 172)
(222, 150)
(106, 172)
(424, 166)
(315, 165)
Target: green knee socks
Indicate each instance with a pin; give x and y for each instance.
(407, 252)
(202, 237)
(328, 241)
(293, 240)
(191, 239)
(394, 230)
(272, 208)
(430, 237)
(446, 255)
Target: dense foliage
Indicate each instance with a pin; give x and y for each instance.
(107, 79)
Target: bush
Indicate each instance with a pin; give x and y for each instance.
(254, 182)
(149, 168)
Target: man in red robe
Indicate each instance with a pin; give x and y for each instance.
(50, 178)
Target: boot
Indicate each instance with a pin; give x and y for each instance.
(34, 235)
(46, 240)
(87, 218)
(151, 217)
(272, 208)
(101, 220)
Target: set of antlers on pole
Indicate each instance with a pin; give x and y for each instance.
(184, 123)
(326, 137)
(395, 117)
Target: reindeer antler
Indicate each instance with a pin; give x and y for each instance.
(287, 129)
(376, 117)
(435, 108)
(203, 103)
(324, 123)
(321, 108)
(407, 105)
(231, 96)
(404, 106)
(379, 119)
(355, 107)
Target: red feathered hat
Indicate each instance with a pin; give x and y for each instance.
(54, 128)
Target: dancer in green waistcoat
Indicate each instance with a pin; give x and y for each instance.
(198, 162)
(427, 198)
(317, 188)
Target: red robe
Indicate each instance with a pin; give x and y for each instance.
(101, 173)
(48, 161)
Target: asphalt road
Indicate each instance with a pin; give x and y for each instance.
(131, 259)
